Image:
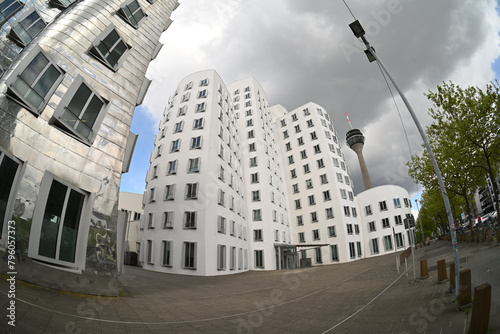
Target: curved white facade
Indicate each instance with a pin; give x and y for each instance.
(382, 213)
(236, 185)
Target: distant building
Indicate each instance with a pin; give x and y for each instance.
(72, 73)
(235, 185)
(131, 205)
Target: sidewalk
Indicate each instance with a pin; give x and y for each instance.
(366, 296)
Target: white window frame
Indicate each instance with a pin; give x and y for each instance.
(82, 232)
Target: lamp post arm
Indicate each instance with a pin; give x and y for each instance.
(434, 164)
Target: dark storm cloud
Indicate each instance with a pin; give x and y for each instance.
(303, 51)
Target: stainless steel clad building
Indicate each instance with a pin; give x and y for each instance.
(72, 73)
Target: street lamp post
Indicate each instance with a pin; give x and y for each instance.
(359, 32)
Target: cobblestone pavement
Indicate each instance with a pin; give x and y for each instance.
(366, 296)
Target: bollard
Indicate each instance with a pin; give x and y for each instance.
(480, 309)
(452, 276)
(490, 236)
(424, 271)
(464, 289)
(442, 276)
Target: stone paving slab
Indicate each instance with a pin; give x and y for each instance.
(366, 296)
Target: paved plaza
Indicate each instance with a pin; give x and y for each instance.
(367, 296)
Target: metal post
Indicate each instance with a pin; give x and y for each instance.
(370, 52)
(412, 236)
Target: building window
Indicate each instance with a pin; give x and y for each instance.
(190, 255)
(34, 80)
(259, 259)
(368, 210)
(202, 94)
(356, 228)
(314, 217)
(290, 159)
(204, 82)
(321, 164)
(323, 178)
(257, 235)
(329, 213)
(257, 215)
(8, 8)
(294, 117)
(315, 234)
(190, 219)
(198, 123)
(331, 231)
(303, 154)
(313, 135)
(326, 195)
(374, 246)
(371, 226)
(253, 162)
(300, 141)
(352, 250)
(347, 211)
(297, 204)
(221, 198)
(175, 145)
(343, 194)
(399, 240)
(358, 246)
(300, 222)
(109, 48)
(317, 149)
(251, 134)
(385, 223)
(200, 107)
(169, 192)
(383, 206)
(311, 199)
(349, 228)
(57, 222)
(182, 110)
(196, 143)
(310, 123)
(194, 165)
(131, 12)
(178, 126)
(256, 196)
(297, 128)
(172, 167)
(293, 173)
(302, 238)
(319, 258)
(221, 257)
(151, 221)
(306, 169)
(334, 252)
(398, 220)
(26, 27)
(167, 253)
(150, 252)
(80, 111)
(221, 224)
(251, 147)
(168, 219)
(254, 178)
(387, 243)
(191, 190)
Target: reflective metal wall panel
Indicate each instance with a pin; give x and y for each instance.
(48, 128)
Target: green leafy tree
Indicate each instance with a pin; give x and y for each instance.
(464, 138)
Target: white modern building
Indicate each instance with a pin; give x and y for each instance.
(319, 190)
(131, 205)
(382, 213)
(236, 185)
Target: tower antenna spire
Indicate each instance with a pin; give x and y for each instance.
(348, 120)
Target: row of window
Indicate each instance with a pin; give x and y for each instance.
(314, 216)
(234, 229)
(385, 223)
(331, 232)
(383, 205)
(387, 242)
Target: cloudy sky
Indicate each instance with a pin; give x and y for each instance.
(302, 51)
